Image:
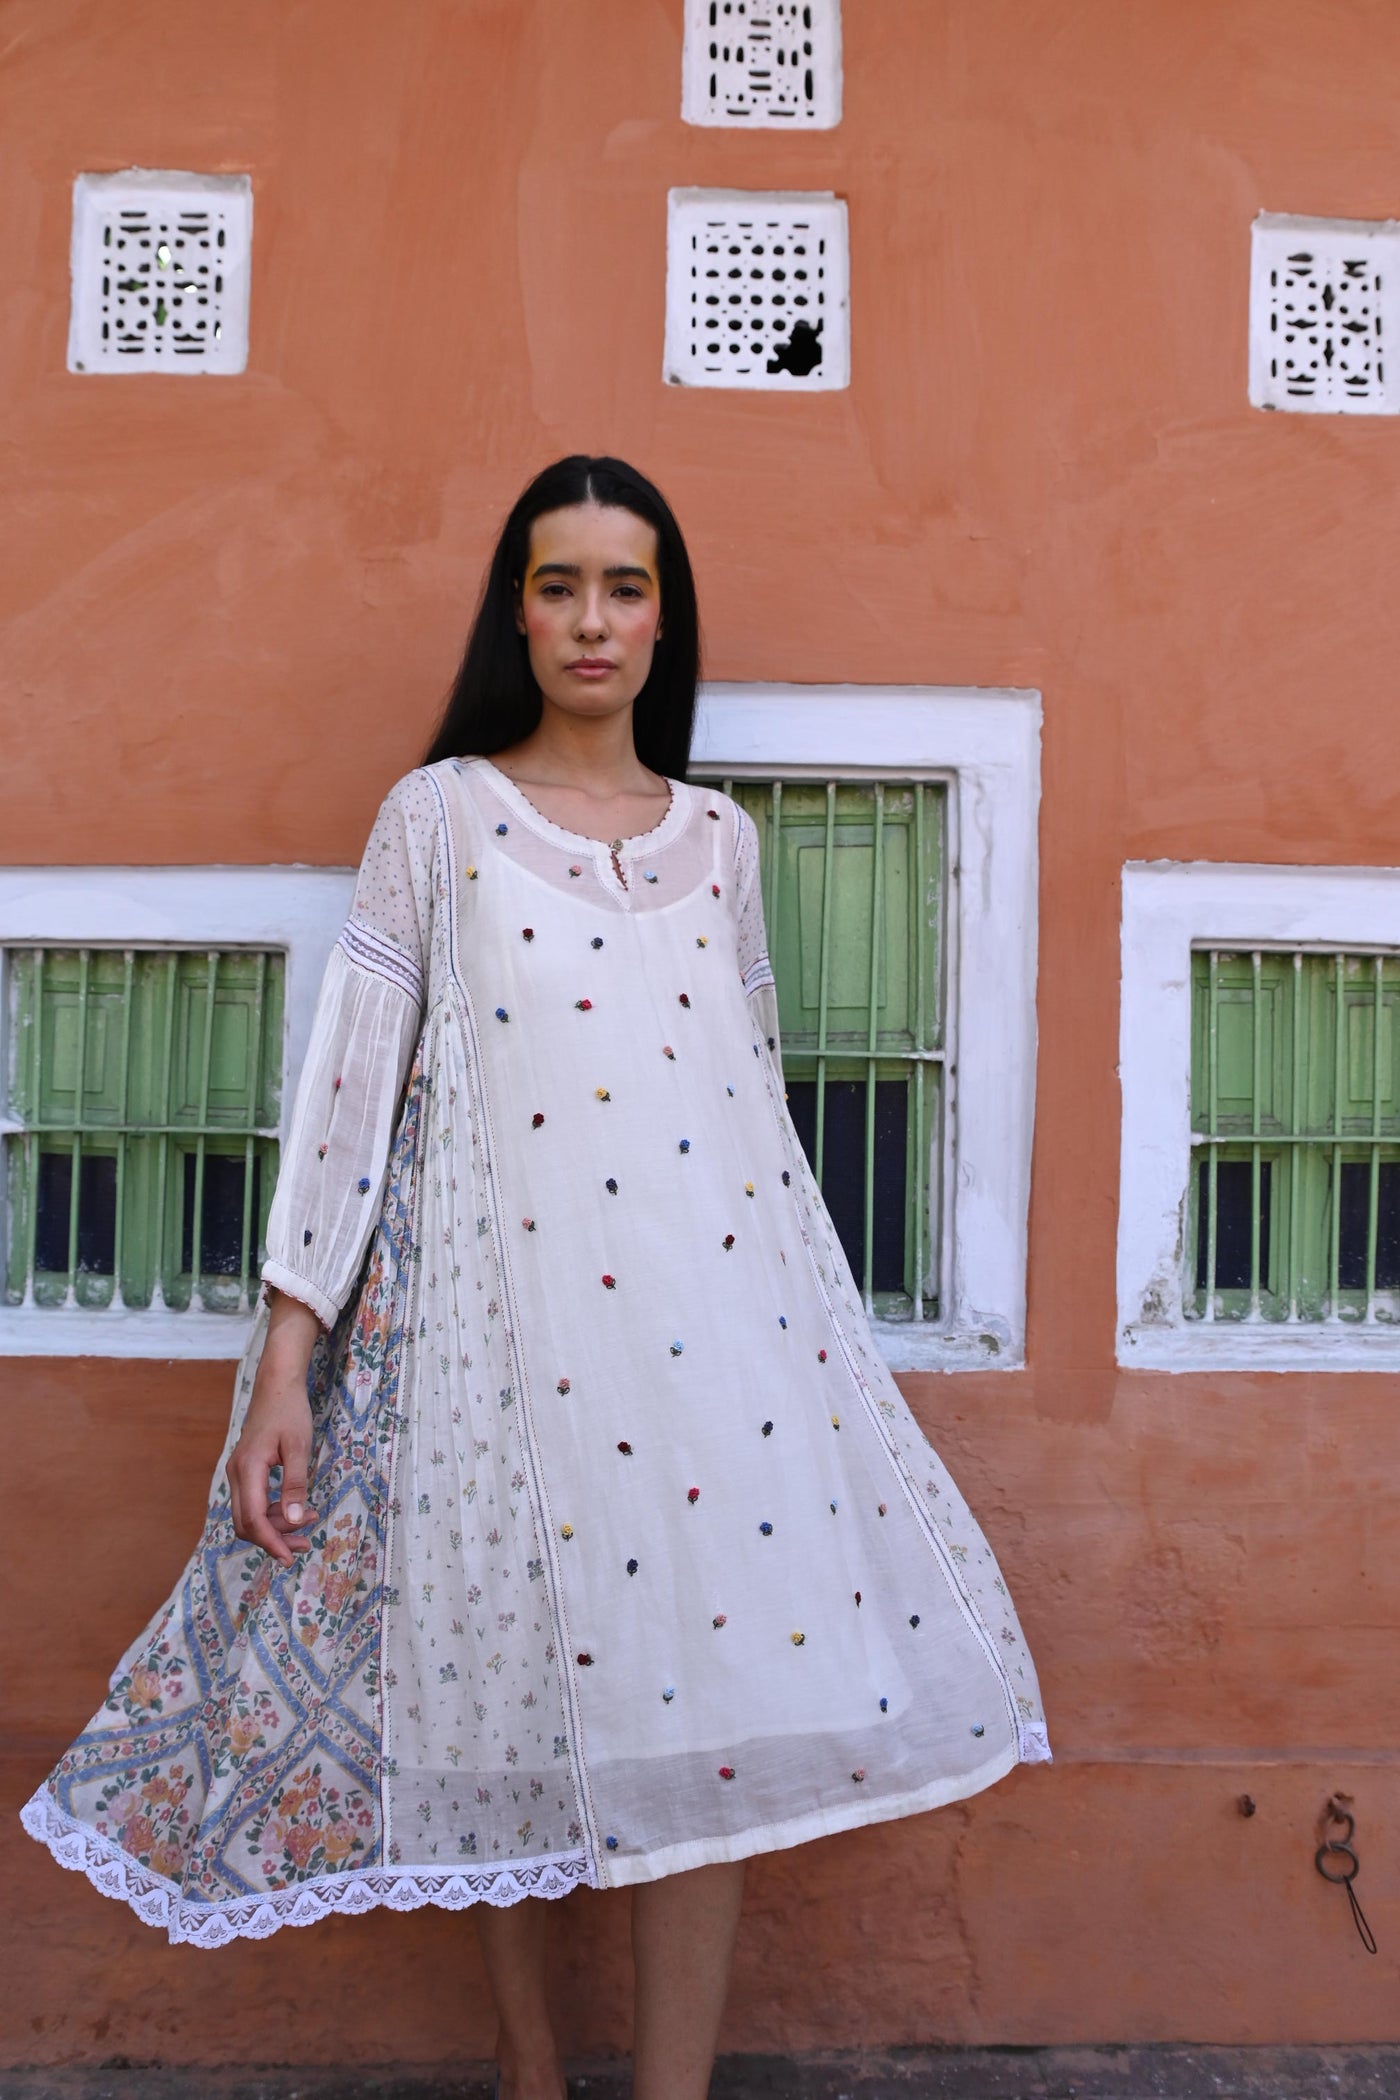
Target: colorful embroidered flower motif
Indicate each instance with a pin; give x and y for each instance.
(536, 1119)
(609, 1283)
(799, 1640)
(583, 1657)
(647, 875)
(685, 1145)
(730, 1091)
(336, 1082)
(766, 1528)
(625, 1448)
(692, 1494)
(857, 1596)
(881, 1508)
(677, 1348)
(782, 1319)
(363, 1184)
(320, 1151)
(836, 1421)
(914, 1619)
(501, 830)
(713, 813)
(667, 1051)
(576, 871)
(501, 1014)
(563, 1386)
(884, 1706)
(610, 1185)
(597, 941)
(602, 1093)
(748, 1188)
(727, 1242)
(857, 1775)
(719, 1619)
(714, 889)
(611, 1843)
(306, 1237)
(768, 1429)
(566, 1531)
(833, 1509)
(527, 933)
(701, 941)
(726, 1771)
(978, 1728)
(821, 1356)
(585, 1006)
(471, 871)
(669, 1693)
(528, 1223)
(685, 998)
(631, 1567)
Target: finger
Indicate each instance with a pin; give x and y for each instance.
(256, 1529)
(296, 1456)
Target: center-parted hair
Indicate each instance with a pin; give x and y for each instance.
(494, 700)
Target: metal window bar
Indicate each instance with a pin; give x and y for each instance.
(127, 1129)
(925, 1234)
(1295, 1141)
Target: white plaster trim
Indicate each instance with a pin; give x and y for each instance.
(986, 744)
(1168, 906)
(299, 910)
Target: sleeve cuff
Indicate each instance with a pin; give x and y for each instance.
(284, 1279)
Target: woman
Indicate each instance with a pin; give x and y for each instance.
(572, 1530)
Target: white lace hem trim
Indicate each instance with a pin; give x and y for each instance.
(158, 1901)
(1035, 1743)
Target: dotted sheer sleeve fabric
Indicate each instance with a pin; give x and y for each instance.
(759, 987)
(367, 1022)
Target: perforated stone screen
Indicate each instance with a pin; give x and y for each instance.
(160, 272)
(1324, 322)
(757, 290)
(762, 63)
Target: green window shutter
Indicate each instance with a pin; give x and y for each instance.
(145, 1086)
(854, 877)
(1294, 1204)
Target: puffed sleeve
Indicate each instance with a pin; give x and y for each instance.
(367, 1022)
(757, 970)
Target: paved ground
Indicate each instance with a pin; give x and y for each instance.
(1163, 2073)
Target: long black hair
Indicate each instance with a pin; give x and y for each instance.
(494, 700)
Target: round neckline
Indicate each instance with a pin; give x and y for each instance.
(516, 798)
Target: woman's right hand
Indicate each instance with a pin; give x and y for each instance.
(277, 1432)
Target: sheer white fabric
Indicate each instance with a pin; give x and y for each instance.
(350, 1090)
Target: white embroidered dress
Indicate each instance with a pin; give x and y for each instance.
(629, 1554)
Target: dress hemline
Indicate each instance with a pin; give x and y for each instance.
(156, 1901)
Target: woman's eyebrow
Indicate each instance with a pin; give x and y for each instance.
(572, 568)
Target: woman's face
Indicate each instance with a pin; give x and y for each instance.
(589, 605)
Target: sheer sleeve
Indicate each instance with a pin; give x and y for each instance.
(759, 987)
(367, 1022)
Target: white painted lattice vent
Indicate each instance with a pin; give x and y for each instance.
(160, 272)
(753, 63)
(1324, 315)
(757, 290)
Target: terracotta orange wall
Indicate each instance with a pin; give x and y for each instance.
(232, 606)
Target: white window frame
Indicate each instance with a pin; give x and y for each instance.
(1168, 908)
(297, 910)
(985, 745)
